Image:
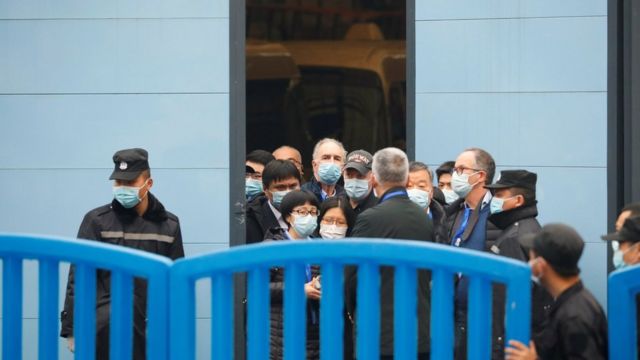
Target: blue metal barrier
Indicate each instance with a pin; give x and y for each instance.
(623, 287)
(124, 264)
(332, 256)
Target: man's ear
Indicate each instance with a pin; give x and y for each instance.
(519, 200)
(149, 183)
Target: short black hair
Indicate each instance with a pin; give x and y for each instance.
(296, 198)
(634, 208)
(260, 156)
(419, 166)
(528, 194)
(344, 205)
(277, 170)
(445, 168)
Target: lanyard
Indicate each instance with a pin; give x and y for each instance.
(465, 220)
(393, 194)
(309, 276)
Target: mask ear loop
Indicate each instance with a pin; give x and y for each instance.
(147, 192)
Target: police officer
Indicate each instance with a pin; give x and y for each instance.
(577, 327)
(135, 219)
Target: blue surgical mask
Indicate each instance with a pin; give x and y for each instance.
(356, 189)
(252, 187)
(127, 196)
(305, 225)
(277, 197)
(419, 197)
(332, 231)
(329, 173)
(450, 196)
(497, 204)
(460, 184)
(618, 259)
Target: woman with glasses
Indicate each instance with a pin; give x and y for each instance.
(336, 218)
(299, 209)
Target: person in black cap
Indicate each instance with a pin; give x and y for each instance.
(136, 219)
(358, 183)
(514, 211)
(577, 326)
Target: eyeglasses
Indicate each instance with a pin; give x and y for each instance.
(334, 221)
(305, 212)
(460, 169)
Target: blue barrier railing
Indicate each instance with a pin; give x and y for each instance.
(622, 288)
(87, 256)
(368, 255)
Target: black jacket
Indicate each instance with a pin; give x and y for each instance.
(439, 218)
(577, 328)
(259, 219)
(314, 187)
(276, 287)
(394, 218)
(454, 214)
(370, 201)
(514, 224)
(157, 231)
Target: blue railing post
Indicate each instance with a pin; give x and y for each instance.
(623, 287)
(12, 308)
(442, 333)
(259, 314)
(331, 311)
(222, 311)
(405, 321)
(48, 274)
(121, 315)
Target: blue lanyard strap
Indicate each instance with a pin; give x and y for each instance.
(393, 194)
(457, 240)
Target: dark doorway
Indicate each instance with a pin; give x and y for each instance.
(322, 68)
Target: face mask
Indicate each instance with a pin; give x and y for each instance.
(618, 260)
(252, 187)
(460, 184)
(305, 225)
(332, 231)
(329, 173)
(127, 196)
(277, 197)
(534, 278)
(356, 189)
(497, 204)
(450, 196)
(420, 197)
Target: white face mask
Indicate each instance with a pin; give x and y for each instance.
(450, 196)
(460, 184)
(419, 197)
(332, 231)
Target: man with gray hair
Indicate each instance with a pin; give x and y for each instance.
(394, 217)
(468, 227)
(328, 159)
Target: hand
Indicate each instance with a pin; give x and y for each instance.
(519, 351)
(311, 291)
(71, 344)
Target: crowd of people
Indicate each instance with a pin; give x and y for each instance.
(360, 195)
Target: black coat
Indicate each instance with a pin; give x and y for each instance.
(114, 224)
(276, 287)
(396, 218)
(439, 218)
(514, 224)
(259, 219)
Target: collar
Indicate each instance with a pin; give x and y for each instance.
(506, 218)
(398, 191)
(283, 224)
(566, 295)
(485, 200)
(155, 211)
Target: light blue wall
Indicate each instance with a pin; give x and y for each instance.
(82, 79)
(525, 80)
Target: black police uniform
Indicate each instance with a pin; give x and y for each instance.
(156, 231)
